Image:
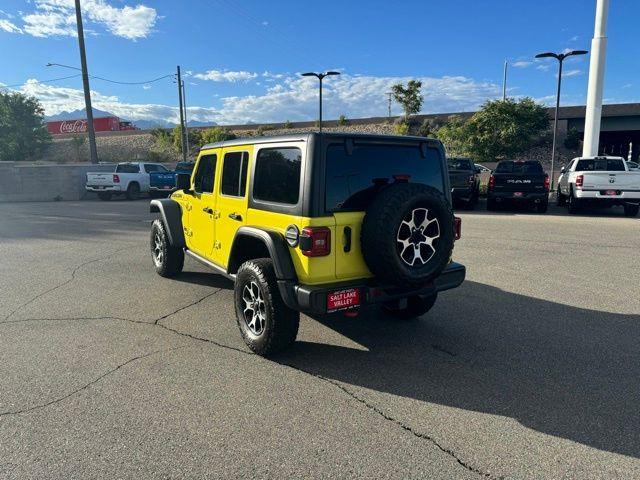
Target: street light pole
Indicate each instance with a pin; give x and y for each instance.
(85, 85)
(504, 82)
(560, 57)
(320, 77)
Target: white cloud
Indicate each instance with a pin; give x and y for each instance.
(265, 23)
(57, 18)
(8, 26)
(146, 87)
(293, 98)
(226, 76)
(572, 73)
(522, 64)
(574, 38)
(543, 67)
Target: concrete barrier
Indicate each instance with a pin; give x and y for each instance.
(45, 183)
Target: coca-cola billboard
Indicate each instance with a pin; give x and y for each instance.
(80, 125)
(73, 126)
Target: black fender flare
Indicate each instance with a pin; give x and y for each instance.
(171, 215)
(276, 246)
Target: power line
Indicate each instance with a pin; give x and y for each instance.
(132, 83)
(41, 81)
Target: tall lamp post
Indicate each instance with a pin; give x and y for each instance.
(320, 76)
(560, 57)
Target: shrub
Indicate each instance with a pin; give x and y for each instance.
(572, 142)
(77, 142)
(263, 128)
(215, 134)
(287, 125)
(342, 121)
(428, 128)
(401, 128)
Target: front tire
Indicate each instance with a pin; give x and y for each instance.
(631, 209)
(167, 260)
(416, 306)
(266, 324)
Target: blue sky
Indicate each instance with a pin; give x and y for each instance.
(243, 56)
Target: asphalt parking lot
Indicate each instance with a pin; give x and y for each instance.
(530, 370)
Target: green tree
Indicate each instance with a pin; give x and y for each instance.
(22, 133)
(453, 134)
(342, 121)
(429, 127)
(503, 129)
(409, 97)
(572, 142)
(215, 134)
(163, 139)
(194, 136)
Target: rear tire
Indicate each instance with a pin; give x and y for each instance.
(573, 204)
(167, 260)
(133, 191)
(491, 204)
(416, 307)
(631, 209)
(542, 207)
(266, 324)
(104, 196)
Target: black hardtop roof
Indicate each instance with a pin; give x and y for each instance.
(307, 136)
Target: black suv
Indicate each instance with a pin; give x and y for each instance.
(519, 183)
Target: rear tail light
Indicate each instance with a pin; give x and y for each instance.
(546, 182)
(116, 178)
(315, 241)
(457, 228)
(492, 182)
(579, 181)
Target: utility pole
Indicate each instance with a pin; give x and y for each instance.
(390, 95)
(182, 131)
(85, 85)
(186, 120)
(504, 82)
(596, 81)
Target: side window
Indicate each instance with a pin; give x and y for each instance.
(277, 175)
(204, 177)
(153, 167)
(234, 174)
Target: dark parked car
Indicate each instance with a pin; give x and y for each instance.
(464, 180)
(519, 183)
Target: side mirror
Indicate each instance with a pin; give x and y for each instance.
(478, 171)
(563, 169)
(183, 181)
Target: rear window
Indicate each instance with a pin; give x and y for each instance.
(600, 165)
(519, 167)
(185, 166)
(460, 164)
(353, 180)
(127, 168)
(277, 175)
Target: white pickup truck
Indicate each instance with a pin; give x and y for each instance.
(599, 181)
(129, 178)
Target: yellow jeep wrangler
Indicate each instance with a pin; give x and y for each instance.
(316, 224)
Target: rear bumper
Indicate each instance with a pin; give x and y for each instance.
(462, 193)
(103, 188)
(530, 197)
(313, 298)
(600, 196)
(162, 188)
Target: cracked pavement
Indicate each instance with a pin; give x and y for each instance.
(530, 370)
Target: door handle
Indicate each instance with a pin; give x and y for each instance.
(235, 216)
(208, 210)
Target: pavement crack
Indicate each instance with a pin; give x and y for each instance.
(157, 320)
(60, 285)
(87, 385)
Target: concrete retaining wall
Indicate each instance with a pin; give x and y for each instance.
(45, 183)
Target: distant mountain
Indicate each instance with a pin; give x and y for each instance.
(75, 114)
(141, 124)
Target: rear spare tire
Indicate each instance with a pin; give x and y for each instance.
(407, 234)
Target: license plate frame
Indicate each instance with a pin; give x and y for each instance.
(518, 194)
(610, 193)
(343, 299)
